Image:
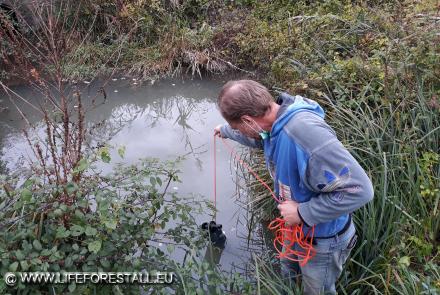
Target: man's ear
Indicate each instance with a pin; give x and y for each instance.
(246, 118)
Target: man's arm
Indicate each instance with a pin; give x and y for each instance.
(342, 184)
(227, 132)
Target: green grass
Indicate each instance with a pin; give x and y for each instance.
(375, 70)
(397, 144)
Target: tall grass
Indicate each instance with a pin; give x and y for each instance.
(375, 70)
(398, 145)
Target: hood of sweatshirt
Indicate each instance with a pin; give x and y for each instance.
(291, 105)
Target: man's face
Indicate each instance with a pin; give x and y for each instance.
(244, 129)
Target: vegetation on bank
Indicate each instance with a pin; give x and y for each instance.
(375, 69)
(374, 65)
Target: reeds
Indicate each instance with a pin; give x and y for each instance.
(398, 145)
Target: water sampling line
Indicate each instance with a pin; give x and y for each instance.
(286, 236)
(212, 229)
(215, 180)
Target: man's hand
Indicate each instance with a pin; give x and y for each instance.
(289, 211)
(217, 131)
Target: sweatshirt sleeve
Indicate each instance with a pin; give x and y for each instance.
(227, 132)
(331, 171)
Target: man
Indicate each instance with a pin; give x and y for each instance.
(320, 181)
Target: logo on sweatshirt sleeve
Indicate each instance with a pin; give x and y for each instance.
(337, 184)
(334, 181)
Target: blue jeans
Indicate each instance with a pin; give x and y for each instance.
(320, 273)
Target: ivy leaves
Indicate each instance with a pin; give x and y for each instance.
(94, 246)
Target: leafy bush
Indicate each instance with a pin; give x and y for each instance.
(125, 221)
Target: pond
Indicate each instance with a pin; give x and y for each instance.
(170, 118)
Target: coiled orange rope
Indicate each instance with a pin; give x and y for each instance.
(286, 236)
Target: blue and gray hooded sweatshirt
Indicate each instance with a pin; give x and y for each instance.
(311, 166)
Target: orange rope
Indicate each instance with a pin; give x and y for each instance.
(215, 181)
(286, 236)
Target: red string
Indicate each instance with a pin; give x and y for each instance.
(215, 181)
(286, 236)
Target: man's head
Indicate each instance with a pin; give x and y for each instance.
(244, 104)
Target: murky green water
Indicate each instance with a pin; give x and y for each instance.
(168, 119)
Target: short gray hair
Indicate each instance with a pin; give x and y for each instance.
(243, 97)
